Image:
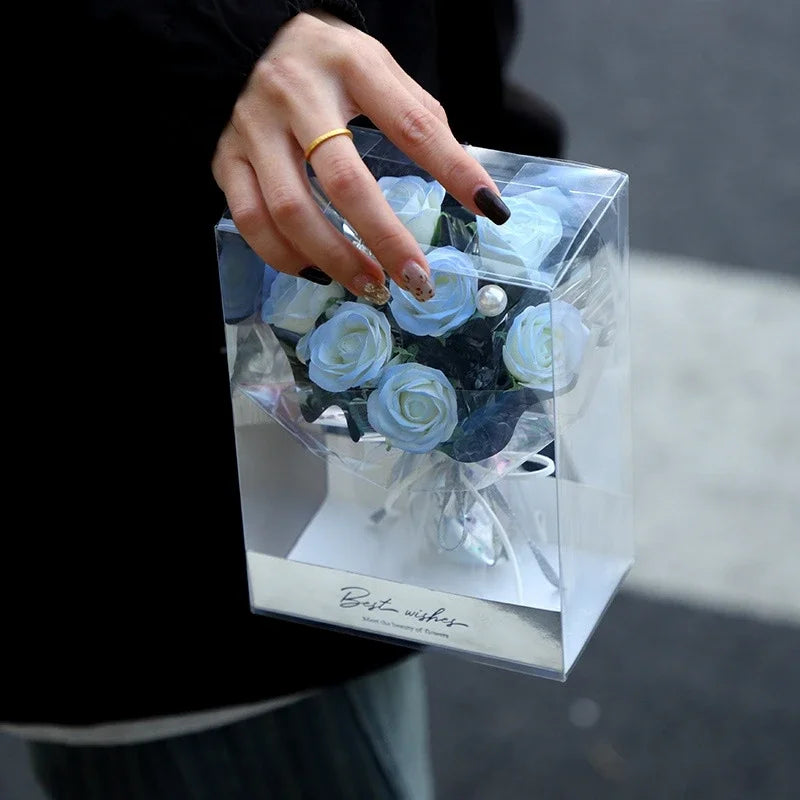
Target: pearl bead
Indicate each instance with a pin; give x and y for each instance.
(491, 300)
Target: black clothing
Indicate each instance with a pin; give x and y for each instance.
(126, 590)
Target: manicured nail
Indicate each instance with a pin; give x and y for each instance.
(315, 276)
(491, 205)
(367, 287)
(417, 281)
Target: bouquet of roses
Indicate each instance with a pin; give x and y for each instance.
(455, 373)
(440, 400)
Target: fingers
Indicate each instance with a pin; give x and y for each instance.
(352, 189)
(315, 76)
(299, 221)
(249, 211)
(254, 221)
(415, 90)
(424, 136)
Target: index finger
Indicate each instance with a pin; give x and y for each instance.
(428, 141)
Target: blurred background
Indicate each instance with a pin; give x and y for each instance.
(690, 688)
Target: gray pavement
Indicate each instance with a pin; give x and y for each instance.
(668, 702)
(699, 100)
(689, 688)
(716, 360)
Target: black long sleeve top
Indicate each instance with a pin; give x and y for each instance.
(126, 592)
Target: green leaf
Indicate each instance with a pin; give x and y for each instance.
(437, 232)
(405, 354)
(357, 409)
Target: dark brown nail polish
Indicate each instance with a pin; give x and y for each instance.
(315, 276)
(491, 205)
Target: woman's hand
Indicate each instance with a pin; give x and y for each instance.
(318, 74)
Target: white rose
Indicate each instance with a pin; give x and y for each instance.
(350, 349)
(417, 203)
(295, 304)
(545, 345)
(520, 245)
(451, 306)
(414, 407)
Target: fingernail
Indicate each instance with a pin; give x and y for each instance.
(491, 205)
(367, 287)
(417, 281)
(315, 276)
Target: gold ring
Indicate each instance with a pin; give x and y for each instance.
(324, 138)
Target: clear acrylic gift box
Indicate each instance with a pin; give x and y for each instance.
(453, 473)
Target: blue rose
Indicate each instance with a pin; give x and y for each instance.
(414, 407)
(295, 304)
(520, 246)
(350, 349)
(417, 203)
(545, 345)
(456, 284)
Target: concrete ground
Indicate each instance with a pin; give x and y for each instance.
(698, 100)
(716, 366)
(690, 687)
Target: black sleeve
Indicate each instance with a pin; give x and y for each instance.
(187, 60)
(202, 36)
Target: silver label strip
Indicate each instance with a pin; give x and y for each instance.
(527, 636)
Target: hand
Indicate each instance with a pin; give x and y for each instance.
(318, 74)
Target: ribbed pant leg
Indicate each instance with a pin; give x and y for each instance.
(364, 740)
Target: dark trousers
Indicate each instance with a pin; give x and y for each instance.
(364, 740)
